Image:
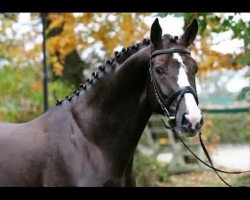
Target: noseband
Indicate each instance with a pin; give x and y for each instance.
(166, 102)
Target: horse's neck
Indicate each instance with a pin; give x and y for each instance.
(116, 111)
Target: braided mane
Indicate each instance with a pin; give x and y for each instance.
(118, 59)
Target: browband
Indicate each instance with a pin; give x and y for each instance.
(169, 51)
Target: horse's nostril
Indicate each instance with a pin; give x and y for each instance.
(201, 122)
(184, 120)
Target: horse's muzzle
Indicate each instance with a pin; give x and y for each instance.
(189, 128)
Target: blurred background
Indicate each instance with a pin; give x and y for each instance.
(77, 43)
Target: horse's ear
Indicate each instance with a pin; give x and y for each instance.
(156, 33)
(190, 33)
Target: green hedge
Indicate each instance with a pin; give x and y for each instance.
(231, 127)
(148, 171)
(21, 93)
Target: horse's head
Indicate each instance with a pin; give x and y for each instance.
(173, 78)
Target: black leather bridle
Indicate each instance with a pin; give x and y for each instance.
(166, 102)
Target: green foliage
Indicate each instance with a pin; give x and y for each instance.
(22, 94)
(243, 93)
(230, 127)
(148, 171)
(58, 90)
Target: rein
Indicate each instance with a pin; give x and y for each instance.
(165, 104)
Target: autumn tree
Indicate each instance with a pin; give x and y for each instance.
(71, 35)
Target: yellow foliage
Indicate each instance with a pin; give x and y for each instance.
(58, 69)
(56, 21)
(53, 59)
(52, 44)
(164, 141)
(214, 61)
(37, 48)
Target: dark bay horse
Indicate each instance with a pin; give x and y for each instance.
(89, 139)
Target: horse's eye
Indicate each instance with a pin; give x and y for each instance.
(159, 70)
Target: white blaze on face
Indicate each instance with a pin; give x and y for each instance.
(193, 112)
